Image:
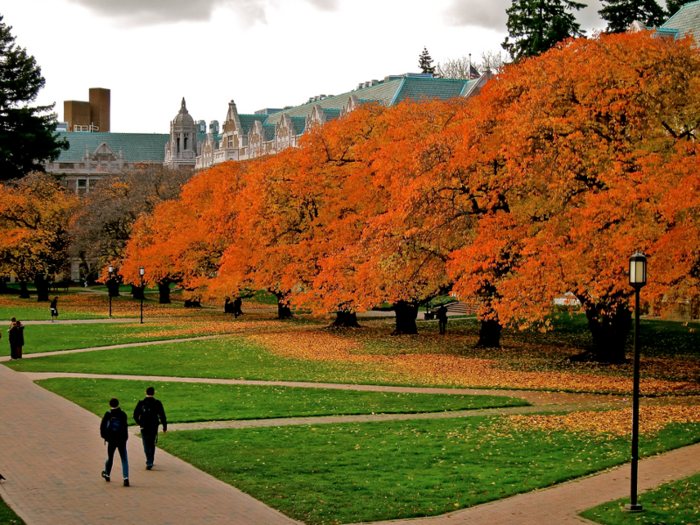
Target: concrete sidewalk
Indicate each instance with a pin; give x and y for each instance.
(52, 455)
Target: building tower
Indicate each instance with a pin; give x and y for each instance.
(182, 148)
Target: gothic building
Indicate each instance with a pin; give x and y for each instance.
(272, 130)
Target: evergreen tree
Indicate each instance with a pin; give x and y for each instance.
(619, 14)
(675, 5)
(534, 26)
(26, 133)
(425, 62)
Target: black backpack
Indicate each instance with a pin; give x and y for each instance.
(149, 415)
(114, 429)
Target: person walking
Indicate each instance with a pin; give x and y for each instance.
(114, 430)
(54, 309)
(149, 414)
(16, 338)
(442, 319)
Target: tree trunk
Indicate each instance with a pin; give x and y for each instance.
(192, 303)
(42, 288)
(3, 285)
(345, 320)
(489, 334)
(23, 292)
(406, 314)
(137, 291)
(610, 333)
(164, 292)
(113, 287)
(283, 310)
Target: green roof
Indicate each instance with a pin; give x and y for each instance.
(248, 121)
(389, 92)
(136, 147)
(429, 88)
(685, 20)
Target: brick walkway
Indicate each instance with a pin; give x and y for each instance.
(52, 456)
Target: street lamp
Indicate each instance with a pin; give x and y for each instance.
(142, 273)
(638, 278)
(110, 270)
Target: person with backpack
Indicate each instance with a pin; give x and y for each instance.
(114, 430)
(149, 414)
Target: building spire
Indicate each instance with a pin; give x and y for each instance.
(183, 107)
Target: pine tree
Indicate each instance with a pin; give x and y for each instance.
(425, 62)
(675, 5)
(534, 26)
(26, 133)
(619, 14)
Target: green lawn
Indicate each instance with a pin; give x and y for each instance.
(61, 336)
(672, 503)
(230, 357)
(361, 472)
(189, 402)
(34, 311)
(7, 516)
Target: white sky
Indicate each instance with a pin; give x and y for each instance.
(260, 53)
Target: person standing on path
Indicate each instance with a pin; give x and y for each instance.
(114, 430)
(442, 319)
(16, 338)
(54, 309)
(149, 414)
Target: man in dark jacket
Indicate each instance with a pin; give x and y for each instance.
(16, 338)
(149, 414)
(115, 431)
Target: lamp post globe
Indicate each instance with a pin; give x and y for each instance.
(638, 278)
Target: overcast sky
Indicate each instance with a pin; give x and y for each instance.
(260, 53)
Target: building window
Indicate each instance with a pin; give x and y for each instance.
(82, 187)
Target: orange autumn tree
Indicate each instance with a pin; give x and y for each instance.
(596, 145)
(35, 213)
(184, 239)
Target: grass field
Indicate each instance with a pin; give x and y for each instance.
(190, 402)
(672, 503)
(353, 473)
(7, 516)
(63, 336)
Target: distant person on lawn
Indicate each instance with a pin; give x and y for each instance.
(442, 319)
(149, 414)
(16, 338)
(114, 430)
(54, 309)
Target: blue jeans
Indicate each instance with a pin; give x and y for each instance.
(111, 447)
(149, 438)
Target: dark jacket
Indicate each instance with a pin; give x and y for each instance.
(123, 435)
(152, 409)
(17, 336)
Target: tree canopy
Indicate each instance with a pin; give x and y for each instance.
(545, 184)
(425, 62)
(534, 26)
(27, 136)
(619, 14)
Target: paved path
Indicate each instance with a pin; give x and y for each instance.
(561, 504)
(125, 345)
(51, 455)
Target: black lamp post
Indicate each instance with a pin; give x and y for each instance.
(110, 269)
(142, 273)
(638, 278)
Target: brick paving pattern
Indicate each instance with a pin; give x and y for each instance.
(52, 455)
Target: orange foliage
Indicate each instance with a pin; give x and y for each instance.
(546, 183)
